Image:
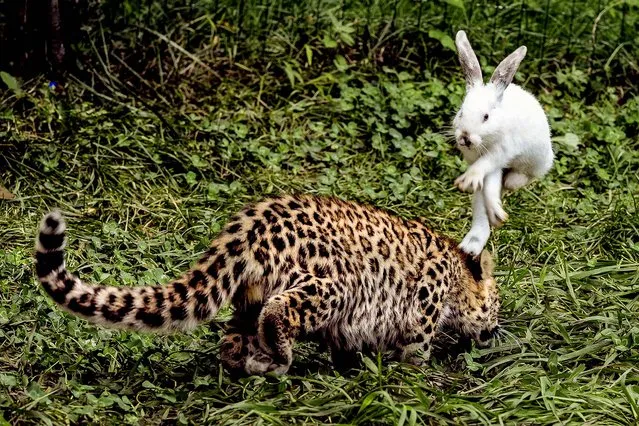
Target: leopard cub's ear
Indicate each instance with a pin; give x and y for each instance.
(487, 264)
(481, 267)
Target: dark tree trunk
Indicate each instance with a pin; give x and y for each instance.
(35, 35)
(57, 40)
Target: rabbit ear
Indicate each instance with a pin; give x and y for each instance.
(468, 59)
(506, 70)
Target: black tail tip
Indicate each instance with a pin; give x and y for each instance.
(51, 235)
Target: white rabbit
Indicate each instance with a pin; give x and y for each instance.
(503, 133)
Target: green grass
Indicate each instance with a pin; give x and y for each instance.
(147, 182)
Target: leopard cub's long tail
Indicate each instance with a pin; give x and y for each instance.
(194, 297)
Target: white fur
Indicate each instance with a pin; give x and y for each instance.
(515, 136)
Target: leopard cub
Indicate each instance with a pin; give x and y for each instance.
(298, 267)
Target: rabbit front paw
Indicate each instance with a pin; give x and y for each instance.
(471, 181)
(471, 245)
(496, 214)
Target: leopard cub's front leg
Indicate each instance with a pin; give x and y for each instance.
(415, 346)
(240, 341)
(415, 352)
(235, 348)
(276, 337)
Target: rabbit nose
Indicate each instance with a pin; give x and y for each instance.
(465, 140)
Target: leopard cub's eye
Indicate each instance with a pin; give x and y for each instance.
(485, 117)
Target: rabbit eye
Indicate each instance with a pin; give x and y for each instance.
(485, 117)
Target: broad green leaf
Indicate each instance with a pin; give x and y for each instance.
(11, 82)
(456, 3)
(340, 63)
(198, 162)
(570, 140)
(8, 380)
(443, 38)
(370, 365)
(329, 42)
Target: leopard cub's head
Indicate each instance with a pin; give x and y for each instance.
(474, 308)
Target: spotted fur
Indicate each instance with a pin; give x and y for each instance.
(296, 267)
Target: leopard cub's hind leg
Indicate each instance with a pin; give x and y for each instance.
(300, 310)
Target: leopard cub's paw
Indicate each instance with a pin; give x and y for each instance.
(261, 363)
